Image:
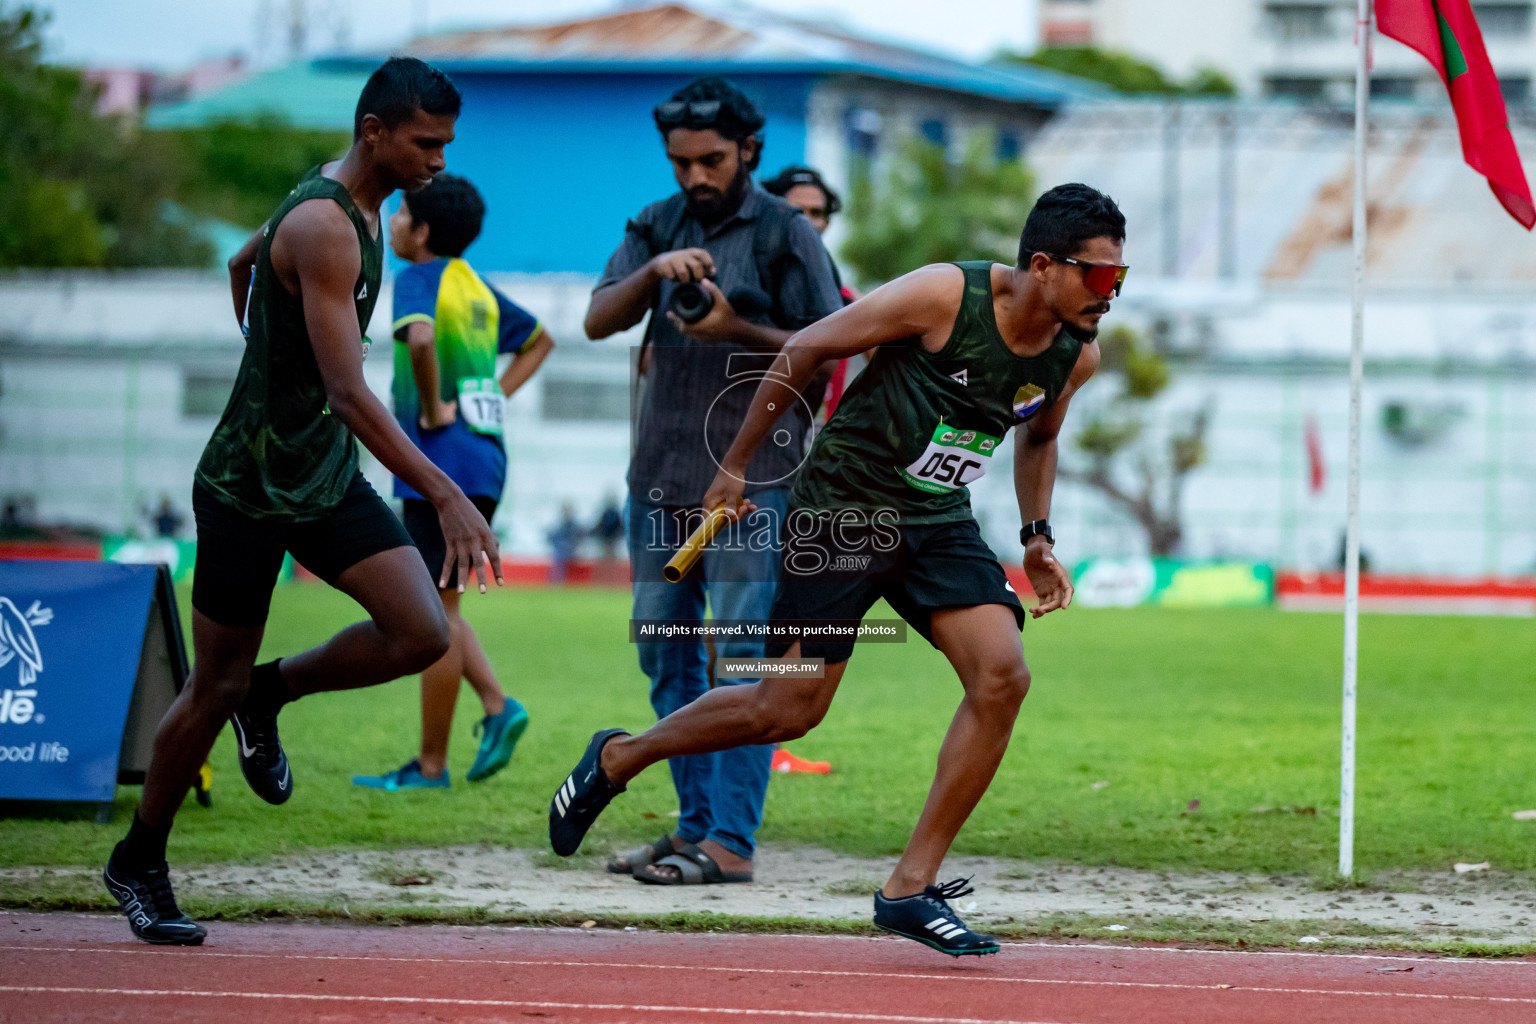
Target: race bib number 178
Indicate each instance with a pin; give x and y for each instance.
(952, 459)
(481, 404)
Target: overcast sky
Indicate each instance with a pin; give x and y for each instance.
(171, 34)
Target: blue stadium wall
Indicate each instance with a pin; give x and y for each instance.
(564, 159)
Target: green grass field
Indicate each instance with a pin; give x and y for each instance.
(1236, 709)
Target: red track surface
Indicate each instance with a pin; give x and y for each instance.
(83, 968)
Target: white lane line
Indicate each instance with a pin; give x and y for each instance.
(798, 972)
(1446, 960)
(504, 1004)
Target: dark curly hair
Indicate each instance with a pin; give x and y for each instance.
(1066, 217)
(401, 86)
(452, 208)
(736, 119)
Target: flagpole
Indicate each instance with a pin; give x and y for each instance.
(1356, 377)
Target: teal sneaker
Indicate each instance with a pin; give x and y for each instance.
(407, 776)
(498, 738)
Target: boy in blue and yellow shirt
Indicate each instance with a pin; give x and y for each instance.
(451, 326)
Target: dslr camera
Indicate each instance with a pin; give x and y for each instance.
(692, 302)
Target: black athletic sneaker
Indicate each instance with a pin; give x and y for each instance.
(262, 760)
(146, 898)
(583, 796)
(928, 918)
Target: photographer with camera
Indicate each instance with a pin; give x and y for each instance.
(758, 274)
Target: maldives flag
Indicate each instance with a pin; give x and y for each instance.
(1446, 34)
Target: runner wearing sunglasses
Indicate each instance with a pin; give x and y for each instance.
(1101, 278)
(964, 353)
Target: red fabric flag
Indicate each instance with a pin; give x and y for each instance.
(1317, 469)
(1446, 34)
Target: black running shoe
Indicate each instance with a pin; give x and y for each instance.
(146, 898)
(583, 796)
(262, 760)
(928, 918)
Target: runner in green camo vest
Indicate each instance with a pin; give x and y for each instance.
(963, 353)
(277, 453)
(280, 476)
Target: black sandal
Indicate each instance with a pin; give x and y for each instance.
(625, 863)
(694, 867)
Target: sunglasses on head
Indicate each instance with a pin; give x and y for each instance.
(675, 112)
(1099, 277)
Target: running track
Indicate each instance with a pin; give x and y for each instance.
(79, 967)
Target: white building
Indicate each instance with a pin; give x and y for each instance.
(1291, 49)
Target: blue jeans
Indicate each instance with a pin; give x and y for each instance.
(720, 795)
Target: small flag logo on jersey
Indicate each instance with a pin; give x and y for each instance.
(1027, 400)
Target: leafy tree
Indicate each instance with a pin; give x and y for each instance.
(238, 171)
(77, 189)
(1118, 432)
(1122, 72)
(1210, 82)
(931, 210)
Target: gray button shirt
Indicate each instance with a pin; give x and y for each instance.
(697, 393)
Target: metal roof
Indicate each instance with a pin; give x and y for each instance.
(675, 37)
(306, 95)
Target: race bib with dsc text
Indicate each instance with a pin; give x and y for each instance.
(952, 459)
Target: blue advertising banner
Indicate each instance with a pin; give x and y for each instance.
(71, 637)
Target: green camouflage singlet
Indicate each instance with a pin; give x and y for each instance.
(916, 426)
(277, 452)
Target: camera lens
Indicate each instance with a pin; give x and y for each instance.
(691, 302)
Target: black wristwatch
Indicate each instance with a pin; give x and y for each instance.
(1038, 528)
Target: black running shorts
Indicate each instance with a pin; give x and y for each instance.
(426, 530)
(837, 571)
(239, 558)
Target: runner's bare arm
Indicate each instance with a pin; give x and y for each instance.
(919, 305)
(524, 364)
(421, 340)
(1034, 478)
(315, 253)
(241, 266)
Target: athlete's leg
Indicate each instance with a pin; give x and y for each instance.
(440, 691)
(677, 669)
(221, 673)
(238, 561)
(768, 711)
(477, 669)
(982, 643)
(440, 686)
(742, 577)
(407, 629)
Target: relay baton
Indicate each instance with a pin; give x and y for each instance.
(693, 548)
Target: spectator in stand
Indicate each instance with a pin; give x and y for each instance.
(609, 529)
(563, 540)
(167, 519)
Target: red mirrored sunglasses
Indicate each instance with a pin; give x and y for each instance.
(1099, 277)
